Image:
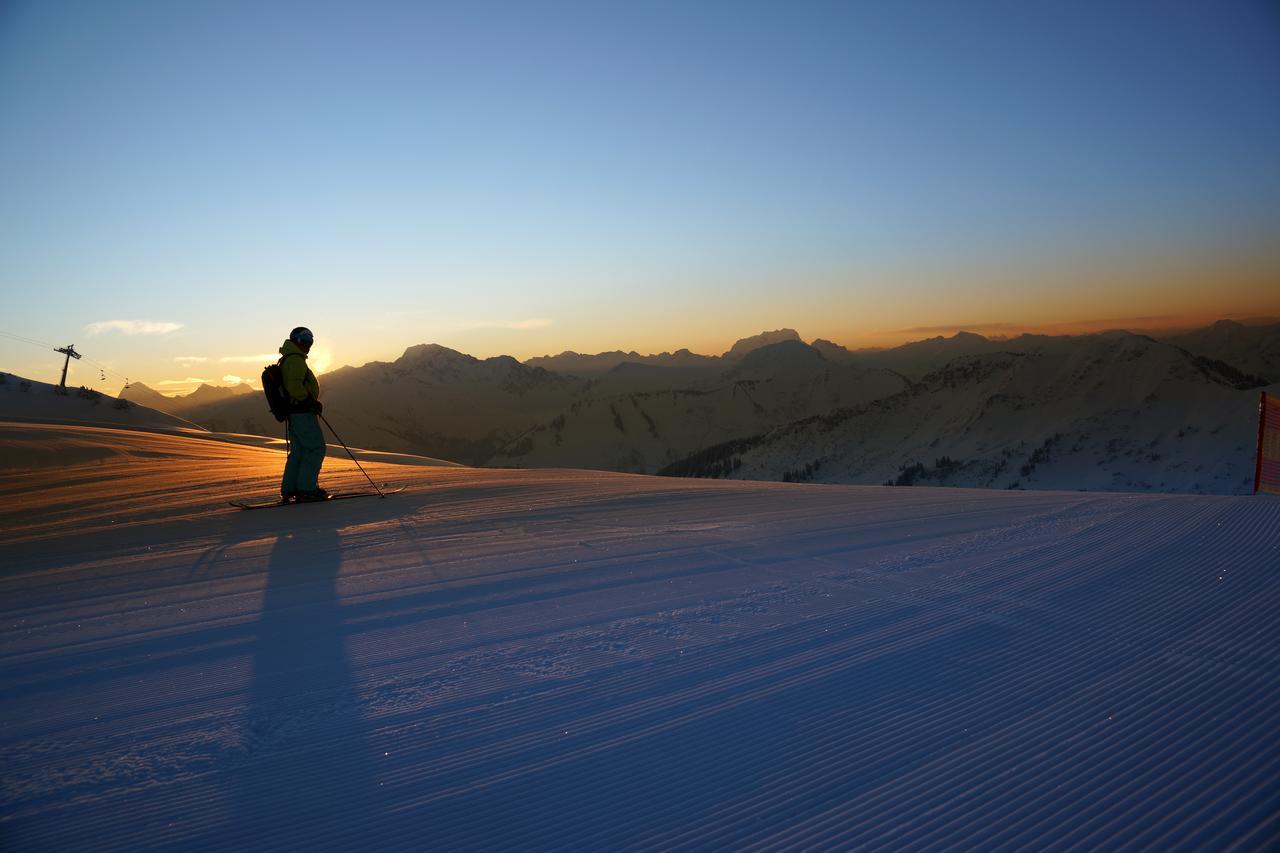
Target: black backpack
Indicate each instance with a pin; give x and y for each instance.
(273, 387)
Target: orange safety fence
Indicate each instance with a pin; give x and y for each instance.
(1266, 477)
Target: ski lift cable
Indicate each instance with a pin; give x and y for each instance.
(27, 340)
(106, 370)
(102, 368)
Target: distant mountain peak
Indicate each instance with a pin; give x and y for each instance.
(764, 339)
(205, 391)
(433, 353)
(144, 394)
(959, 342)
(783, 356)
(831, 350)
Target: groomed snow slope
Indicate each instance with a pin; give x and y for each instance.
(563, 659)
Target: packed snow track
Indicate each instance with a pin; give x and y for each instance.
(507, 659)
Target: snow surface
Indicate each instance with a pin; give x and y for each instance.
(30, 400)
(503, 659)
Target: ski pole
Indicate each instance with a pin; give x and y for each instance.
(352, 455)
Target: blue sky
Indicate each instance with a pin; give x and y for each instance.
(530, 177)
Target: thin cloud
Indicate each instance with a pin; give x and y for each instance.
(190, 380)
(234, 380)
(1109, 322)
(190, 359)
(248, 359)
(1120, 321)
(532, 323)
(132, 327)
(932, 330)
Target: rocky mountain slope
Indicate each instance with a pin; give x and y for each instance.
(1114, 411)
(438, 402)
(432, 401)
(1255, 349)
(647, 427)
(578, 364)
(204, 395)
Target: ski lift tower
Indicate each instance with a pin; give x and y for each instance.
(70, 351)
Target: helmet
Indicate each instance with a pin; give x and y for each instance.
(302, 335)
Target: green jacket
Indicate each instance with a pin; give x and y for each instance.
(299, 382)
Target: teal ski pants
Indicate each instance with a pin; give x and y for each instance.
(306, 454)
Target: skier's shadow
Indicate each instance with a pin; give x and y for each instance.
(306, 768)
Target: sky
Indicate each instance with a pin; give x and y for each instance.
(182, 183)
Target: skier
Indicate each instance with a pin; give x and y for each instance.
(306, 448)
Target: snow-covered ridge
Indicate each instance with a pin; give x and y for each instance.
(1126, 413)
(1143, 413)
(31, 400)
(1104, 412)
(500, 659)
(203, 395)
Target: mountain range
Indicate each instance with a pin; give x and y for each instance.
(204, 395)
(1114, 410)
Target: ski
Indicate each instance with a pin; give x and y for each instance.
(333, 496)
